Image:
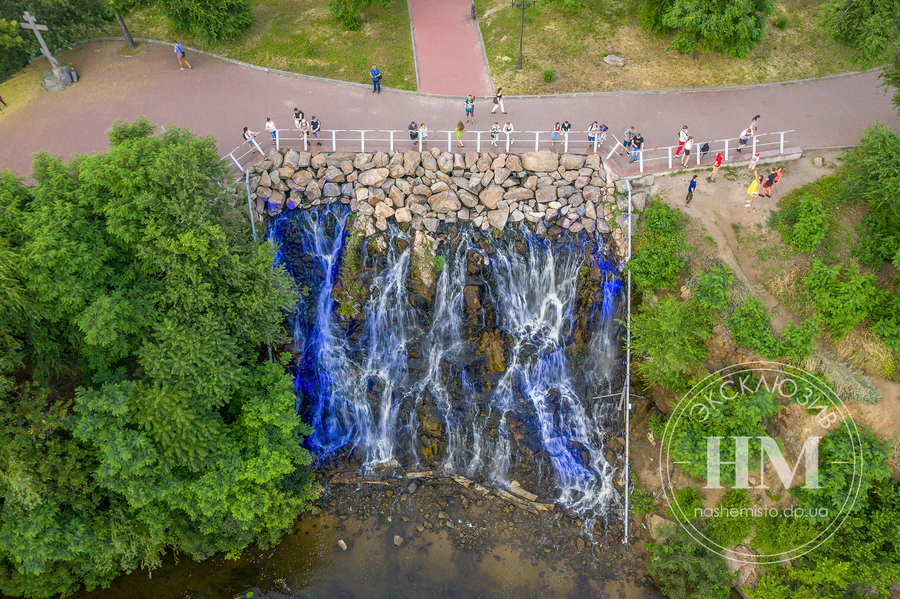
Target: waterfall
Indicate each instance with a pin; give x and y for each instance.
(408, 381)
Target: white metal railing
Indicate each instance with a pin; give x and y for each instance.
(362, 140)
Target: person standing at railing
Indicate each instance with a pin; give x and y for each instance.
(566, 127)
(470, 108)
(554, 135)
(626, 140)
(688, 144)
(769, 183)
(315, 128)
(413, 132)
(603, 131)
(375, 73)
(744, 139)
(592, 135)
(718, 162)
(637, 146)
(508, 130)
(495, 134)
(682, 138)
(754, 125)
(248, 137)
(498, 101)
(460, 130)
(298, 116)
(304, 132)
(423, 133)
(270, 127)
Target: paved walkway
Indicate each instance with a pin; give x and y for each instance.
(219, 98)
(450, 56)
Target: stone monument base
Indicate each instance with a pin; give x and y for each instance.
(57, 81)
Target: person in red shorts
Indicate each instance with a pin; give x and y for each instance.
(768, 183)
(712, 177)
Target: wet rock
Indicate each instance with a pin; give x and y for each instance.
(412, 487)
(342, 544)
(498, 218)
(431, 224)
(471, 295)
(398, 540)
(442, 515)
(420, 528)
(331, 190)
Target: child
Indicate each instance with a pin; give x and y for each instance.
(769, 183)
(592, 135)
(753, 162)
(688, 144)
(495, 134)
(460, 129)
(423, 133)
(470, 108)
(691, 187)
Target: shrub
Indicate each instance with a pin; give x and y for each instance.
(212, 21)
(685, 568)
(651, 15)
(548, 75)
(886, 318)
(775, 534)
(751, 326)
(803, 217)
(726, 529)
(348, 11)
(840, 303)
(780, 21)
(671, 337)
(713, 289)
(870, 26)
(660, 249)
(689, 505)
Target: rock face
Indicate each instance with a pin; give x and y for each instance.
(427, 192)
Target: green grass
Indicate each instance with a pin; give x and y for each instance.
(573, 44)
(302, 37)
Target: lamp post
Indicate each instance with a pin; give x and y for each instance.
(522, 4)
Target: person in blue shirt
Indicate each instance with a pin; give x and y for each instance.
(691, 187)
(413, 133)
(182, 59)
(376, 79)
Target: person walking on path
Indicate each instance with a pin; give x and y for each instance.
(470, 108)
(690, 194)
(298, 116)
(315, 128)
(508, 130)
(413, 132)
(754, 125)
(498, 101)
(682, 138)
(769, 183)
(626, 140)
(495, 134)
(460, 130)
(375, 73)
(753, 190)
(592, 135)
(270, 127)
(554, 135)
(423, 133)
(753, 162)
(744, 139)
(182, 59)
(637, 146)
(688, 144)
(712, 177)
(248, 137)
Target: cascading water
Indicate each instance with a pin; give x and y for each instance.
(408, 381)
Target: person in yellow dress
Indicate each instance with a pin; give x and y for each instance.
(753, 190)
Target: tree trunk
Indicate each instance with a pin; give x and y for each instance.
(126, 33)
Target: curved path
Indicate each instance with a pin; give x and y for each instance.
(219, 98)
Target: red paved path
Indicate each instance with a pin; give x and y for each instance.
(449, 53)
(219, 98)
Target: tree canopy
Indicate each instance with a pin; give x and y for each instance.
(733, 27)
(137, 415)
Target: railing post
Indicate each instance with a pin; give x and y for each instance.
(726, 151)
(392, 140)
(250, 204)
(362, 141)
(566, 143)
(615, 145)
(641, 159)
(537, 141)
(255, 143)
(507, 143)
(669, 150)
(305, 142)
(781, 143)
(449, 141)
(697, 152)
(478, 141)
(754, 145)
(419, 139)
(333, 140)
(236, 163)
(278, 139)
(596, 137)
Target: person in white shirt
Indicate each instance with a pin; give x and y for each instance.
(508, 130)
(270, 127)
(682, 138)
(304, 131)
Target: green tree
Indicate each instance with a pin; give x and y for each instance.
(660, 249)
(890, 75)
(732, 27)
(686, 569)
(671, 340)
(841, 299)
(121, 9)
(872, 27)
(212, 21)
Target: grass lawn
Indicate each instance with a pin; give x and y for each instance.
(574, 44)
(301, 36)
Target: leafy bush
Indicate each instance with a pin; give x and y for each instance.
(732, 27)
(686, 569)
(802, 217)
(641, 500)
(776, 534)
(212, 21)
(726, 529)
(348, 11)
(657, 426)
(659, 249)
(651, 14)
(122, 131)
(870, 26)
(713, 289)
(885, 316)
(671, 337)
(689, 504)
(751, 326)
(548, 75)
(873, 173)
(780, 21)
(840, 303)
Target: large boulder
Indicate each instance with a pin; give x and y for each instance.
(445, 162)
(374, 177)
(540, 162)
(571, 161)
(546, 194)
(336, 158)
(491, 196)
(403, 215)
(518, 193)
(383, 210)
(444, 202)
(396, 166)
(292, 159)
(513, 163)
(498, 218)
(331, 190)
(411, 161)
(468, 199)
(275, 157)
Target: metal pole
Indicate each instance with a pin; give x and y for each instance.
(392, 140)
(566, 143)
(781, 146)
(521, 36)
(669, 149)
(537, 140)
(478, 139)
(628, 370)
(278, 140)
(250, 204)
(334, 141)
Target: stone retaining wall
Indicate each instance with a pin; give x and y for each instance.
(550, 192)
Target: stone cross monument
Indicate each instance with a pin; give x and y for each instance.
(59, 78)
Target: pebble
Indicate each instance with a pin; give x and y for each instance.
(398, 540)
(342, 544)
